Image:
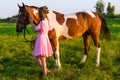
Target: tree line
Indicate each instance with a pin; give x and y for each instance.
(100, 8)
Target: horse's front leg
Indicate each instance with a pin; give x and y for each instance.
(55, 47)
(57, 56)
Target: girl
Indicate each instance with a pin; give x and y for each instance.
(42, 47)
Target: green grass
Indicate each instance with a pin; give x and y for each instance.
(16, 61)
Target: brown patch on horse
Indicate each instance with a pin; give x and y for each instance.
(96, 23)
(61, 37)
(59, 17)
(76, 27)
(71, 24)
(53, 39)
(30, 10)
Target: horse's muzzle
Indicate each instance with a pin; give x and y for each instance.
(19, 29)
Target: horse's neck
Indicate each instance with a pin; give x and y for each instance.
(36, 18)
(34, 14)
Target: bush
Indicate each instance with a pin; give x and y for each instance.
(113, 16)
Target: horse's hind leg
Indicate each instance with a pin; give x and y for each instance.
(97, 44)
(86, 40)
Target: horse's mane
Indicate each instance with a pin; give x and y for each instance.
(33, 6)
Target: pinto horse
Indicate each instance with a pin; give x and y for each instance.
(67, 26)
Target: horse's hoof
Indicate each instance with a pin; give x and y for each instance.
(81, 65)
(97, 65)
(58, 67)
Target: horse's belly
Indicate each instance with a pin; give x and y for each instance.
(70, 33)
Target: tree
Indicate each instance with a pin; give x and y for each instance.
(100, 7)
(110, 9)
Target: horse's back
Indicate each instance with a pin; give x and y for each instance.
(84, 22)
(90, 21)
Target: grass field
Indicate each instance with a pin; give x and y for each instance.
(16, 62)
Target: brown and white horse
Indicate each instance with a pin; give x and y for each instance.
(67, 26)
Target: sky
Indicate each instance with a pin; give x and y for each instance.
(9, 8)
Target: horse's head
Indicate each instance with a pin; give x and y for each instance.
(25, 12)
(23, 19)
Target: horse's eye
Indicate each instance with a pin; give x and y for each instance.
(23, 14)
(19, 13)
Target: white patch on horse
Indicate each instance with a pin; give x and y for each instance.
(54, 23)
(70, 16)
(57, 56)
(98, 56)
(83, 59)
(35, 12)
(61, 30)
(90, 13)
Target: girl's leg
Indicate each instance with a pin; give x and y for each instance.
(42, 62)
(44, 66)
(37, 59)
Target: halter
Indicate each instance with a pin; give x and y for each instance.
(25, 21)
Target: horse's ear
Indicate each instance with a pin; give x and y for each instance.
(18, 5)
(23, 4)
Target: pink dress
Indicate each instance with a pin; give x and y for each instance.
(42, 45)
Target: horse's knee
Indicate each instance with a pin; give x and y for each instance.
(86, 50)
(57, 60)
(86, 40)
(54, 55)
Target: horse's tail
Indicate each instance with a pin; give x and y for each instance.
(105, 28)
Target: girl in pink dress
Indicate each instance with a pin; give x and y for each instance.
(42, 47)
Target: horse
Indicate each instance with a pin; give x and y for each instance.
(87, 24)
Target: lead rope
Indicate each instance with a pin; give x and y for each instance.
(32, 41)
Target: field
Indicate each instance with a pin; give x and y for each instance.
(16, 61)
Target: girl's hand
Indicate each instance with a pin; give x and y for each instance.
(31, 22)
(30, 19)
